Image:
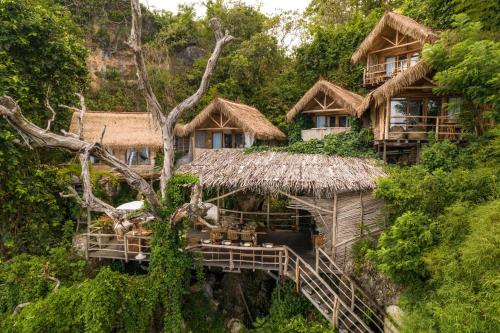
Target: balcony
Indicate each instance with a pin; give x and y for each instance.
(419, 128)
(320, 133)
(379, 73)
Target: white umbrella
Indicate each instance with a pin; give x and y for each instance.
(132, 205)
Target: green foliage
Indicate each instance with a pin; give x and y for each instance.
(443, 155)
(463, 288)
(352, 143)
(468, 64)
(288, 313)
(200, 317)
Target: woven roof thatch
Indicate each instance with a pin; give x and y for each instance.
(123, 129)
(347, 99)
(394, 85)
(398, 22)
(247, 117)
(271, 172)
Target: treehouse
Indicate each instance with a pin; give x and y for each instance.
(129, 136)
(228, 124)
(301, 200)
(402, 108)
(325, 109)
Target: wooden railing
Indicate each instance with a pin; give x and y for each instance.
(419, 126)
(331, 303)
(359, 302)
(112, 246)
(272, 220)
(376, 74)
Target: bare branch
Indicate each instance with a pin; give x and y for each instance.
(58, 283)
(135, 44)
(19, 307)
(102, 134)
(10, 111)
(47, 104)
(81, 111)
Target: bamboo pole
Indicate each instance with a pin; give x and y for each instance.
(334, 226)
(268, 209)
(362, 212)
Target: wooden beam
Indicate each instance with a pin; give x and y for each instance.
(319, 103)
(305, 202)
(362, 212)
(218, 128)
(395, 47)
(388, 40)
(268, 209)
(224, 195)
(326, 110)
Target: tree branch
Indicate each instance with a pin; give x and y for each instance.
(49, 122)
(135, 44)
(12, 113)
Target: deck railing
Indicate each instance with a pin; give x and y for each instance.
(378, 73)
(272, 220)
(106, 245)
(418, 127)
(329, 302)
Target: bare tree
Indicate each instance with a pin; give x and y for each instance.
(31, 133)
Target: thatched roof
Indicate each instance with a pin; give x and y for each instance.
(123, 129)
(245, 116)
(403, 24)
(347, 99)
(394, 85)
(271, 172)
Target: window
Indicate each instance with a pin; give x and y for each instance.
(228, 140)
(94, 160)
(433, 107)
(454, 107)
(415, 108)
(398, 111)
(201, 139)
(403, 63)
(342, 121)
(239, 140)
(134, 156)
(390, 66)
(320, 121)
(415, 57)
(217, 140)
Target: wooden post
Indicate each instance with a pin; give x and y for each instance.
(218, 205)
(125, 243)
(89, 217)
(285, 272)
(353, 296)
(334, 226)
(437, 128)
(387, 120)
(297, 274)
(280, 263)
(297, 220)
(385, 151)
(362, 212)
(268, 209)
(317, 260)
(335, 312)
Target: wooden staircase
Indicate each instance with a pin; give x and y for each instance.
(331, 291)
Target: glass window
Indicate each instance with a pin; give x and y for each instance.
(342, 121)
(217, 140)
(398, 110)
(143, 156)
(415, 108)
(320, 121)
(415, 57)
(403, 62)
(228, 141)
(201, 139)
(433, 107)
(454, 107)
(131, 156)
(239, 140)
(390, 66)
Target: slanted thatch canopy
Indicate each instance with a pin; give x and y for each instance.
(245, 116)
(271, 172)
(123, 129)
(394, 86)
(345, 98)
(401, 23)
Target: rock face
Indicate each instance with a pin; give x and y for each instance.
(235, 326)
(396, 319)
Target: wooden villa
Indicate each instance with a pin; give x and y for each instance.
(402, 107)
(129, 136)
(326, 109)
(328, 197)
(227, 124)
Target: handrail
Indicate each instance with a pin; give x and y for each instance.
(350, 290)
(286, 261)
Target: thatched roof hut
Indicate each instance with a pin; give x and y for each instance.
(401, 23)
(345, 98)
(394, 86)
(245, 116)
(123, 129)
(272, 172)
